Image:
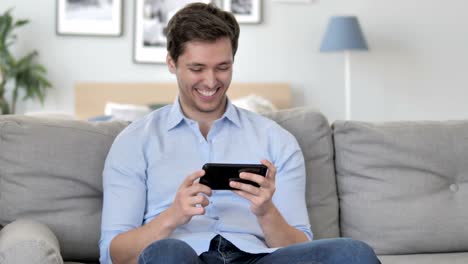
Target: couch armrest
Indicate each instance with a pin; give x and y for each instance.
(27, 241)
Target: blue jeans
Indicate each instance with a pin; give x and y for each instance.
(324, 251)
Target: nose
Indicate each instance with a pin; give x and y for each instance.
(211, 79)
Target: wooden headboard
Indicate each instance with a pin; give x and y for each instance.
(91, 97)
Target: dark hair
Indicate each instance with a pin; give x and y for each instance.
(203, 22)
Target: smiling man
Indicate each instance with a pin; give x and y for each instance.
(204, 73)
(156, 211)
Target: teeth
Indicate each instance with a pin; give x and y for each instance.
(207, 92)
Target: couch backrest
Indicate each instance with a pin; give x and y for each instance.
(403, 186)
(51, 171)
(314, 136)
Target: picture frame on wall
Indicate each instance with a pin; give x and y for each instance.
(245, 11)
(89, 17)
(295, 1)
(151, 18)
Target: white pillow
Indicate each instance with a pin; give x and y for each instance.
(126, 112)
(26, 241)
(255, 104)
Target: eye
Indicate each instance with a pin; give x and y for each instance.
(195, 69)
(224, 68)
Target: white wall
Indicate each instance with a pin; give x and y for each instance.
(416, 68)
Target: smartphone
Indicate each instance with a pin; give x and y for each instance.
(218, 175)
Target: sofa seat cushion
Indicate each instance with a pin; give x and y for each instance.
(51, 172)
(403, 186)
(443, 258)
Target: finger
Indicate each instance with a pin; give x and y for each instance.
(197, 211)
(197, 188)
(192, 177)
(198, 200)
(271, 169)
(194, 200)
(255, 178)
(245, 187)
(245, 195)
(205, 202)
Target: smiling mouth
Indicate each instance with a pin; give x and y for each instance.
(207, 92)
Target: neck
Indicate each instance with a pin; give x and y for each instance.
(203, 117)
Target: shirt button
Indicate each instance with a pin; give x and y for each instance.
(454, 187)
(216, 218)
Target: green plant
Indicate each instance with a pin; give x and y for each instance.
(23, 73)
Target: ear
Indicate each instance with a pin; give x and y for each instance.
(170, 63)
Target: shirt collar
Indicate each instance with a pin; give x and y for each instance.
(232, 113)
(176, 115)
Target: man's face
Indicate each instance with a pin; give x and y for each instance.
(204, 73)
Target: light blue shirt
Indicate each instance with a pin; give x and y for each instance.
(152, 156)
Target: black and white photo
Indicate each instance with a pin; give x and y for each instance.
(245, 11)
(89, 17)
(151, 18)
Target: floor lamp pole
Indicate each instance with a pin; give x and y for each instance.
(347, 86)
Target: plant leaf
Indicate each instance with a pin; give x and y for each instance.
(27, 74)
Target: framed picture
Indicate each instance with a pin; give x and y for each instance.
(245, 11)
(89, 17)
(151, 18)
(295, 1)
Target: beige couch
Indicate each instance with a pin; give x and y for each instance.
(401, 187)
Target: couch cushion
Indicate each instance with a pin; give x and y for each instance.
(403, 186)
(51, 172)
(26, 241)
(446, 258)
(313, 134)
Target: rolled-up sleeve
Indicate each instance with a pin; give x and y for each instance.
(124, 188)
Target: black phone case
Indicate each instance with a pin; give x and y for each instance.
(218, 175)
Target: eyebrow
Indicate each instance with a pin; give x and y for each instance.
(196, 64)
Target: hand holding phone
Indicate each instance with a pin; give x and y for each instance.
(190, 200)
(218, 175)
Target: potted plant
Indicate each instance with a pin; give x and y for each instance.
(23, 73)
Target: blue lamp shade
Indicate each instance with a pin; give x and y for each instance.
(343, 33)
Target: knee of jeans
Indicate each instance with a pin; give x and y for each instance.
(169, 244)
(167, 248)
(359, 247)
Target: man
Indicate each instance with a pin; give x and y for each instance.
(156, 211)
